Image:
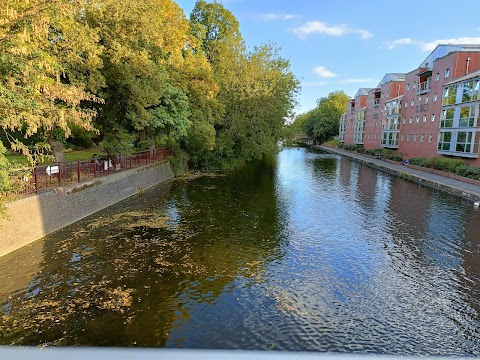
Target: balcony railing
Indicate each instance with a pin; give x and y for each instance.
(424, 87)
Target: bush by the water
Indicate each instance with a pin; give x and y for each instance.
(469, 171)
(445, 164)
(394, 157)
(333, 143)
(418, 161)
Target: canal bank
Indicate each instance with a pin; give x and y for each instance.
(32, 217)
(467, 189)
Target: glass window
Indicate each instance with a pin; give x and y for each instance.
(430, 137)
(449, 95)
(464, 141)
(417, 119)
(444, 140)
(408, 137)
(447, 73)
(470, 91)
(402, 137)
(446, 121)
(435, 97)
(437, 76)
(412, 102)
(410, 120)
(426, 99)
(414, 137)
(422, 138)
(424, 118)
(467, 116)
(408, 87)
(432, 118)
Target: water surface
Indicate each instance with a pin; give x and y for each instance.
(306, 251)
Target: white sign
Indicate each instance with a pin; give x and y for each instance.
(52, 170)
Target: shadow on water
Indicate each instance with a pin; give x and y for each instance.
(124, 276)
(305, 251)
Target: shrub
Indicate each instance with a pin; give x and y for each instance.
(468, 171)
(351, 147)
(341, 145)
(395, 157)
(360, 150)
(333, 143)
(445, 164)
(370, 152)
(418, 161)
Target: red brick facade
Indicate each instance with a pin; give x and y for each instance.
(420, 93)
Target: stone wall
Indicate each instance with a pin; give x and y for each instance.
(32, 217)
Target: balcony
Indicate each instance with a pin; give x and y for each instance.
(424, 87)
(424, 72)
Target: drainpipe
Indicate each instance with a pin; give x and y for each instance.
(468, 63)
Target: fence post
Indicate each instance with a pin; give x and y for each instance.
(108, 165)
(59, 174)
(36, 179)
(78, 170)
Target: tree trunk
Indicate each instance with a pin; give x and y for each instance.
(151, 146)
(58, 151)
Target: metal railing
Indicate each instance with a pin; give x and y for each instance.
(50, 176)
(424, 86)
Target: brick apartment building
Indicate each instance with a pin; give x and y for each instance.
(430, 111)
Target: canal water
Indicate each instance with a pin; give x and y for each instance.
(304, 251)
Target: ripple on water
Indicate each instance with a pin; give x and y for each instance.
(310, 252)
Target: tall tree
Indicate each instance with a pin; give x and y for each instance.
(142, 42)
(256, 89)
(322, 122)
(217, 29)
(49, 61)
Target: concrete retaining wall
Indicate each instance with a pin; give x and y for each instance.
(461, 189)
(33, 217)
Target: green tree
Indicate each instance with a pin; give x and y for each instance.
(49, 61)
(323, 121)
(143, 44)
(256, 89)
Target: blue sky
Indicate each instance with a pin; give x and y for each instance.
(346, 45)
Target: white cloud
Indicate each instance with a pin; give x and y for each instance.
(365, 34)
(323, 72)
(399, 42)
(431, 45)
(356, 81)
(278, 16)
(322, 28)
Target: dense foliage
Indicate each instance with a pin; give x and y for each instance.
(138, 74)
(322, 122)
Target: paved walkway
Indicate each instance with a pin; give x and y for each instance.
(453, 186)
